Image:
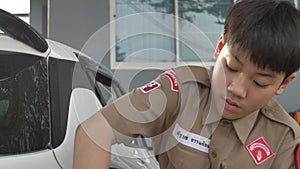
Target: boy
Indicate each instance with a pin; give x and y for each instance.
(228, 121)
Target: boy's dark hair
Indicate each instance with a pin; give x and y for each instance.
(269, 30)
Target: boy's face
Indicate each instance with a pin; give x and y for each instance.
(248, 87)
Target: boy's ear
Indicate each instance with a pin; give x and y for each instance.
(285, 83)
(219, 46)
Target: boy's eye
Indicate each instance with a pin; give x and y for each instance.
(230, 68)
(260, 85)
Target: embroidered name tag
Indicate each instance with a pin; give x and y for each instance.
(149, 87)
(190, 139)
(171, 75)
(260, 150)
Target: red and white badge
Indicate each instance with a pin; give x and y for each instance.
(149, 87)
(171, 75)
(298, 156)
(260, 150)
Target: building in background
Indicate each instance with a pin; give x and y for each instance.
(21, 8)
(139, 39)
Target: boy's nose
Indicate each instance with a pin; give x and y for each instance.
(238, 87)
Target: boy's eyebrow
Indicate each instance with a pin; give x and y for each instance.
(235, 57)
(266, 74)
(259, 73)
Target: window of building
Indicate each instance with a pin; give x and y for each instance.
(165, 33)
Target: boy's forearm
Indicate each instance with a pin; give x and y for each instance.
(92, 145)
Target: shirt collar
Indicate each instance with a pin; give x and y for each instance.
(212, 115)
(244, 125)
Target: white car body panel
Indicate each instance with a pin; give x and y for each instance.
(83, 104)
(37, 160)
(126, 157)
(61, 51)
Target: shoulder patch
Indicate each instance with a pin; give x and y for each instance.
(259, 150)
(149, 87)
(171, 75)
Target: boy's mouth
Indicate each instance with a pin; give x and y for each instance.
(231, 105)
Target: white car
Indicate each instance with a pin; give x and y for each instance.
(46, 90)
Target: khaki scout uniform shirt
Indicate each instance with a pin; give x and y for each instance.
(175, 111)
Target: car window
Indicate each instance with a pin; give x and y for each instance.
(110, 89)
(60, 79)
(107, 92)
(101, 79)
(24, 103)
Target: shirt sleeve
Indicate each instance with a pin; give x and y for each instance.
(148, 110)
(286, 157)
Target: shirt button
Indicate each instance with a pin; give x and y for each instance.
(225, 122)
(268, 110)
(214, 154)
